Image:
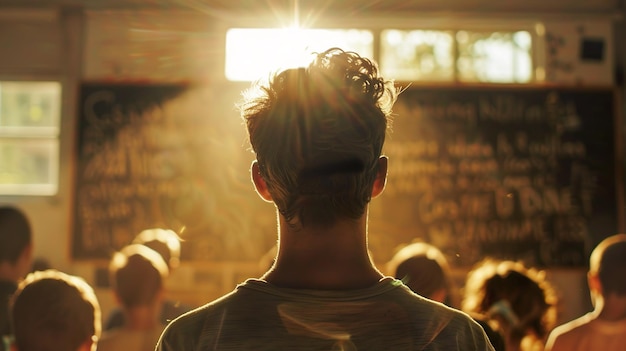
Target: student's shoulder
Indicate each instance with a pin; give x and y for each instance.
(187, 327)
(564, 336)
(182, 332)
(446, 322)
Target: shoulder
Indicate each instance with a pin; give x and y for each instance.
(565, 334)
(184, 332)
(444, 326)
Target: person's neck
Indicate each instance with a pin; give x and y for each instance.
(142, 317)
(612, 308)
(330, 259)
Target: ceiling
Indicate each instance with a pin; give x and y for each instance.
(343, 7)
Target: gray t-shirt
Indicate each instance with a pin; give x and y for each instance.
(386, 316)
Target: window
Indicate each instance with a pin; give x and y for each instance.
(252, 52)
(499, 57)
(404, 54)
(29, 137)
(415, 55)
(465, 56)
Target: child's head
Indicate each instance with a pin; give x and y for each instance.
(137, 273)
(608, 264)
(164, 241)
(424, 269)
(520, 299)
(54, 311)
(15, 242)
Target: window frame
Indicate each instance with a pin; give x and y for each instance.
(37, 137)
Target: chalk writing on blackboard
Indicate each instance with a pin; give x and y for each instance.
(512, 173)
(157, 156)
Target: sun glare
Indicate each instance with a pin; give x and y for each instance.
(253, 52)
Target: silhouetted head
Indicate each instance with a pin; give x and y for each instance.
(54, 311)
(608, 263)
(137, 275)
(164, 241)
(15, 234)
(318, 132)
(424, 269)
(16, 247)
(519, 298)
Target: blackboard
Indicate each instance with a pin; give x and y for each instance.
(525, 173)
(170, 156)
(528, 173)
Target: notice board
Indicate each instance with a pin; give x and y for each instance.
(525, 173)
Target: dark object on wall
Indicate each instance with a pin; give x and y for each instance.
(592, 49)
(524, 173)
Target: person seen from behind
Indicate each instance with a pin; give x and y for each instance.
(514, 300)
(604, 328)
(16, 256)
(137, 273)
(55, 311)
(317, 133)
(168, 244)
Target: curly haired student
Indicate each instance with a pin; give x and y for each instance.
(513, 299)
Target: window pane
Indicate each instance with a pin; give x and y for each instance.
(499, 57)
(28, 166)
(253, 52)
(30, 108)
(423, 55)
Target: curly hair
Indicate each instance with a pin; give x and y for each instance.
(318, 132)
(521, 295)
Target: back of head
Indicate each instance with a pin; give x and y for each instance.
(318, 132)
(54, 311)
(608, 262)
(517, 295)
(423, 268)
(164, 241)
(15, 234)
(137, 273)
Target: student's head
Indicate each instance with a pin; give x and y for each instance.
(137, 274)
(519, 298)
(164, 241)
(424, 269)
(15, 241)
(318, 132)
(54, 311)
(607, 266)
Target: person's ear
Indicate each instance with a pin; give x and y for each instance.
(13, 346)
(90, 344)
(595, 286)
(259, 182)
(381, 176)
(439, 295)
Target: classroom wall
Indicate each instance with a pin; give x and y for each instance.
(154, 45)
